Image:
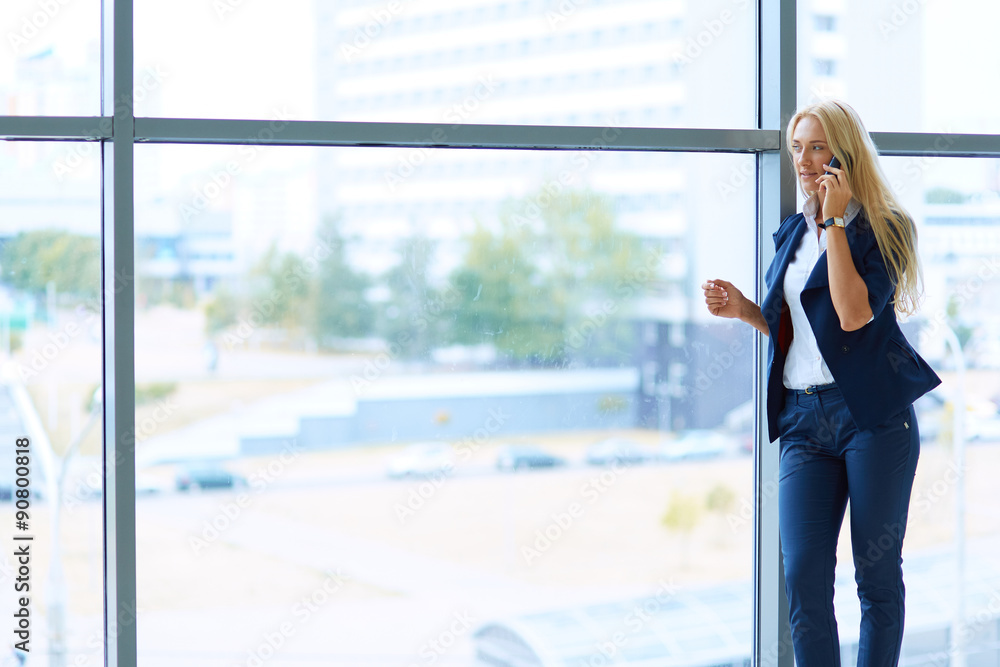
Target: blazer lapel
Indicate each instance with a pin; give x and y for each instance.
(783, 257)
(820, 276)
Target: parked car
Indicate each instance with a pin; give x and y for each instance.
(206, 476)
(619, 450)
(422, 459)
(699, 444)
(515, 457)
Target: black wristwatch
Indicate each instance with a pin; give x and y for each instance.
(832, 222)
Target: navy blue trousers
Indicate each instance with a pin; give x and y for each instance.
(826, 460)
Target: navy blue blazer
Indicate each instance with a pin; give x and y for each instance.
(878, 372)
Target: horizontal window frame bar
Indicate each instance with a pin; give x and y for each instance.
(429, 135)
(919, 144)
(56, 128)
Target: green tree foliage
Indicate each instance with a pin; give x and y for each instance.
(413, 317)
(274, 294)
(72, 262)
(316, 294)
(941, 195)
(222, 310)
(720, 499)
(554, 275)
(280, 290)
(505, 299)
(576, 234)
(341, 307)
(683, 513)
(682, 517)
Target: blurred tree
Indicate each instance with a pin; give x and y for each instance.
(505, 300)
(942, 195)
(280, 290)
(314, 294)
(682, 517)
(274, 294)
(341, 307)
(576, 232)
(720, 502)
(222, 310)
(551, 280)
(720, 498)
(411, 316)
(72, 262)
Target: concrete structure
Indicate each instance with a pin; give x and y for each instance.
(457, 406)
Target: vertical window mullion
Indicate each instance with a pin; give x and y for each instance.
(118, 312)
(776, 199)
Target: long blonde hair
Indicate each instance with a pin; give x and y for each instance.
(893, 226)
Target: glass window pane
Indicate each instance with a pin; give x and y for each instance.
(956, 207)
(932, 57)
(51, 61)
(476, 408)
(634, 63)
(50, 393)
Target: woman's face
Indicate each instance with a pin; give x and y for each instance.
(809, 152)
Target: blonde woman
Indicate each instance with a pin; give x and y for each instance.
(841, 382)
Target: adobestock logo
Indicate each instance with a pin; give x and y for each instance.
(221, 178)
(900, 15)
(34, 24)
(713, 29)
(561, 522)
(419, 495)
(367, 33)
(641, 614)
(435, 648)
(302, 611)
(456, 114)
(558, 15)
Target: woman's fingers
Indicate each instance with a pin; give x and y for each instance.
(725, 285)
(715, 286)
(717, 293)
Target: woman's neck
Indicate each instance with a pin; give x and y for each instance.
(820, 197)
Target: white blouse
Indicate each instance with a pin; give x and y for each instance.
(804, 365)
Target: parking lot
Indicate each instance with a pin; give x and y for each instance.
(400, 557)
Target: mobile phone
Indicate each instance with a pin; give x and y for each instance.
(835, 163)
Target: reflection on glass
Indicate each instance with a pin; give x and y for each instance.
(50, 394)
(473, 411)
(50, 63)
(632, 63)
(923, 81)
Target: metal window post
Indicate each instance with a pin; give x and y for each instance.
(776, 199)
(118, 303)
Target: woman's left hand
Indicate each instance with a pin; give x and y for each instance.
(836, 192)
